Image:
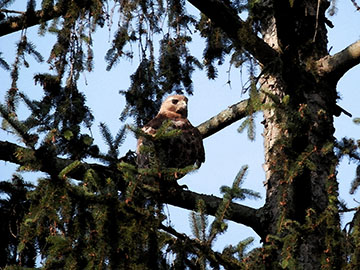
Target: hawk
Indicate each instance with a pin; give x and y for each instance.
(184, 147)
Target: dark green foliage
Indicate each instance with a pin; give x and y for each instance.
(255, 104)
(91, 226)
(14, 205)
(101, 222)
(217, 45)
(176, 65)
(113, 143)
(240, 250)
(60, 115)
(199, 222)
(113, 218)
(12, 124)
(144, 96)
(139, 22)
(236, 192)
(115, 53)
(353, 243)
(23, 48)
(231, 256)
(151, 82)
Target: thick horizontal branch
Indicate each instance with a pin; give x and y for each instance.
(240, 33)
(223, 119)
(16, 23)
(238, 213)
(181, 198)
(337, 65)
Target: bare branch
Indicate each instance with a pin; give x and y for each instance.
(223, 119)
(12, 11)
(337, 65)
(236, 29)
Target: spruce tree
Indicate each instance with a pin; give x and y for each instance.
(109, 214)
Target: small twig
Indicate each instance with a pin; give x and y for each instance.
(348, 210)
(317, 20)
(172, 231)
(356, 5)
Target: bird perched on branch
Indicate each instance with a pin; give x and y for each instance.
(170, 140)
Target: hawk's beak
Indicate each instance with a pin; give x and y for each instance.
(183, 104)
(182, 108)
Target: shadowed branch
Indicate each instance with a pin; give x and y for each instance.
(181, 198)
(236, 29)
(16, 23)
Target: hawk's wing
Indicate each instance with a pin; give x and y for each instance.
(178, 151)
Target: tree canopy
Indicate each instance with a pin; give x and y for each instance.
(93, 208)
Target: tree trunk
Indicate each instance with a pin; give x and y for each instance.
(298, 140)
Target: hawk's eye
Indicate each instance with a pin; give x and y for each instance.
(175, 101)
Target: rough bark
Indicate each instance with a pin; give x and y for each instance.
(335, 66)
(223, 119)
(298, 129)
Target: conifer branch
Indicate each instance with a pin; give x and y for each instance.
(16, 23)
(213, 256)
(223, 119)
(238, 213)
(182, 198)
(240, 33)
(50, 165)
(335, 66)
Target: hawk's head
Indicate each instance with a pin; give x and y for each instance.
(174, 107)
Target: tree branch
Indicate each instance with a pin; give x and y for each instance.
(182, 198)
(238, 213)
(236, 29)
(9, 150)
(16, 23)
(223, 119)
(337, 65)
(221, 14)
(227, 261)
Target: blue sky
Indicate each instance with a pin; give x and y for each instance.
(227, 151)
